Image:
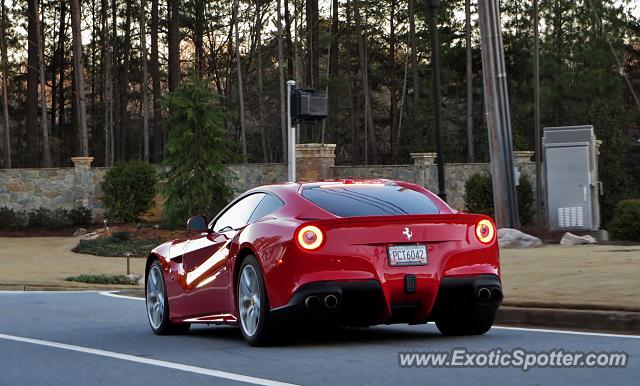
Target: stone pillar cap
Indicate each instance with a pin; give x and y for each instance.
(82, 161)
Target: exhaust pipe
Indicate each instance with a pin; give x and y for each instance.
(496, 294)
(331, 301)
(484, 294)
(312, 302)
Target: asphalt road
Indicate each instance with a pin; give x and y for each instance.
(92, 339)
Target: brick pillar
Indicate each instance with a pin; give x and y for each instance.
(314, 161)
(82, 181)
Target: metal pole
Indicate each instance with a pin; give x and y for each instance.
(536, 119)
(437, 98)
(498, 118)
(291, 84)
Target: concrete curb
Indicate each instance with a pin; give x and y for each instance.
(46, 287)
(623, 322)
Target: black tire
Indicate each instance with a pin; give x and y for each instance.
(264, 334)
(165, 326)
(475, 322)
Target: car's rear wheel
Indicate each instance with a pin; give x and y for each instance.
(475, 322)
(253, 304)
(158, 304)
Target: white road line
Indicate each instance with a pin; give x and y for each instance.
(567, 332)
(47, 292)
(148, 361)
(115, 295)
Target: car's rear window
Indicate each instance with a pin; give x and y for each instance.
(369, 200)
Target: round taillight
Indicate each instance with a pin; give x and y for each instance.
(485, 231)
(310, 237)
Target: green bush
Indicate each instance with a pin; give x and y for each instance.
(525, 200)
(112, 246)
(478, 194)
(11, 219)
(121, 236)
(102, 279)
(626, 221)
(129, 191)
(43, 217)
(81, 216)
(478, 197)
(196, 149)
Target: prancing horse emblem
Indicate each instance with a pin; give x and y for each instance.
(407, 233)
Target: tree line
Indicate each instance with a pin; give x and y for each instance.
(86, 77)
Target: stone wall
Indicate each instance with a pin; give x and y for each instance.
(26, 189)
(247, 176)
(424, 172)
(80, 186)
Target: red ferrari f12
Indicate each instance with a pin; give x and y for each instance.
(344, 252)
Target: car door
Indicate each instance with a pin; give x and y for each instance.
(206, 278)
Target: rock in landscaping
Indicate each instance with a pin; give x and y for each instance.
(513, 238)
(80, 232)
(90, 236)
(135, 278)
(571, 239)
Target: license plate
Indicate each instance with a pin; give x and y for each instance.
(401, 255)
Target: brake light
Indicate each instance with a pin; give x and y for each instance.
(310, 237)
(485, 231)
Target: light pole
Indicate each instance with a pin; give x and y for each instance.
(291, 84)
(435, 69)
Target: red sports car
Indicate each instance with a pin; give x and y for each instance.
(344, 252)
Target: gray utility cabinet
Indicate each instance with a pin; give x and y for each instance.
(571, 163)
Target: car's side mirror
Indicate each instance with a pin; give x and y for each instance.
(198, 224)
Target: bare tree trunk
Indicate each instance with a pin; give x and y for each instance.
(355, 135)
(116, 76)
(174, 44)
(144, 87)
(283, 110)
(44, 119)
(92, 125)
(258, 39)
(313, 43)
(107, 87)
(470, 145)
(414, 49)
(290, 53)
(6, 137)
(123, 127)
(393, 90)
(32, 85)
(364, 69)
(62, 36)
(78, 74)
(198, 36)
(333, 51)
(155, 76)
(243, 138)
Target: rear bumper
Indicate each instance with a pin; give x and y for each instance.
(358, 303)
(363, 302)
